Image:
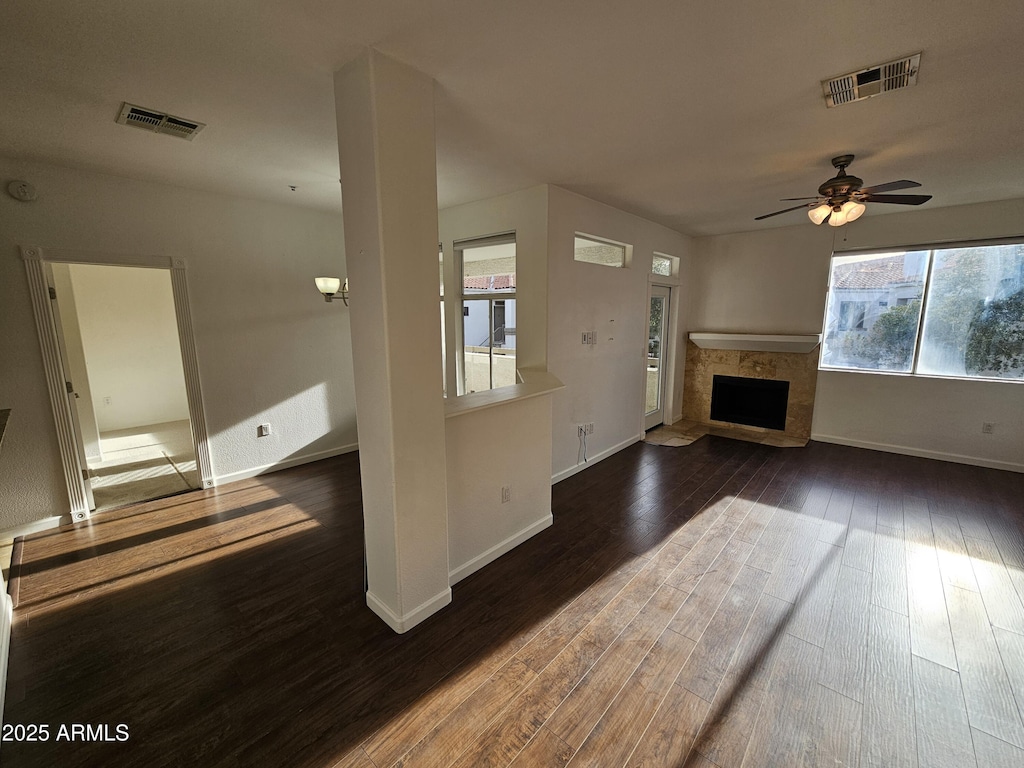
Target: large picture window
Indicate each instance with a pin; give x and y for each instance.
(942, 312)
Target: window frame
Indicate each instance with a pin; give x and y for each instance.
(461, 297)
(931, 248)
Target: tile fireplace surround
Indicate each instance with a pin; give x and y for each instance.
(800, 369)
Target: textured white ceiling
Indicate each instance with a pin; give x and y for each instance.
(698, 115)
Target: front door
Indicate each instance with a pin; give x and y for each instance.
(657, 337)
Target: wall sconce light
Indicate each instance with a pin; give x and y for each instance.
(331, 287)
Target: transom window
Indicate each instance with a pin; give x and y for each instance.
(954, 311)
(593, 250)
(664, 265)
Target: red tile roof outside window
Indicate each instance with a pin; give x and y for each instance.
(490, 283)
(877, 273)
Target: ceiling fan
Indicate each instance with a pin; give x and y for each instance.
(841, 199)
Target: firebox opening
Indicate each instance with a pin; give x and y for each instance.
(754, 402)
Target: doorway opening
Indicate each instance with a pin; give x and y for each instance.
(138, 407)
(121, 354)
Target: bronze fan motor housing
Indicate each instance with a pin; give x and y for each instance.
(840, 187)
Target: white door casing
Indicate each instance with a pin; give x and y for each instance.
(72, 392)
(69, 441)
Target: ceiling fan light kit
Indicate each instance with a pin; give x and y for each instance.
(820, 213)
(853, 210)
(841, 199)
(849, 211)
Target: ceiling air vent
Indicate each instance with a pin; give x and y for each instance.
(158, 122)
(865, 83)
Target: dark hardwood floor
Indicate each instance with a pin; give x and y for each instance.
(723, 604)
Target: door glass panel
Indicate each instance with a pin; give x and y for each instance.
(656, 333)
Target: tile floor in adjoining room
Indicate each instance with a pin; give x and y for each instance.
(144, 463)
(684, 432)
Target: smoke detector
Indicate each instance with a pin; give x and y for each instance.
(158, 122)
(21, 190)
(871, 81)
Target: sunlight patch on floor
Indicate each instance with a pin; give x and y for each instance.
(143, 463)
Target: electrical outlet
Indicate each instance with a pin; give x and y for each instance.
(262, 430)
(107, 401)
(585, 429)
(506, 494)
(988, 427)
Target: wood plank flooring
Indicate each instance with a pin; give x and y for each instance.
(719, 605)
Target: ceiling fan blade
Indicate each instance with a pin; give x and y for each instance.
(784, 210)
(784, 199)
(897, 199)
(892, 186)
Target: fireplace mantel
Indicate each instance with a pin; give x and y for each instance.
(756, 342)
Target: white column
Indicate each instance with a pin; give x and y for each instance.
(385, 113)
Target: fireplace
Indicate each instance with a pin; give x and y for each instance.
(793, 369)
(749, 401)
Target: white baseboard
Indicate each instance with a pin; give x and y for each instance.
(423, 611)
(35, 526)
(907, 450)
(594, 459)
(6, 619)
(499, 549)
(293, 461)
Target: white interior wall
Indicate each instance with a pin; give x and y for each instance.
(508, 445)
(78, 371)
(269, 348)
(770, 281)
(923, 416)
(524, 444)
(775, 281)
(606, 383)
(130, 342)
